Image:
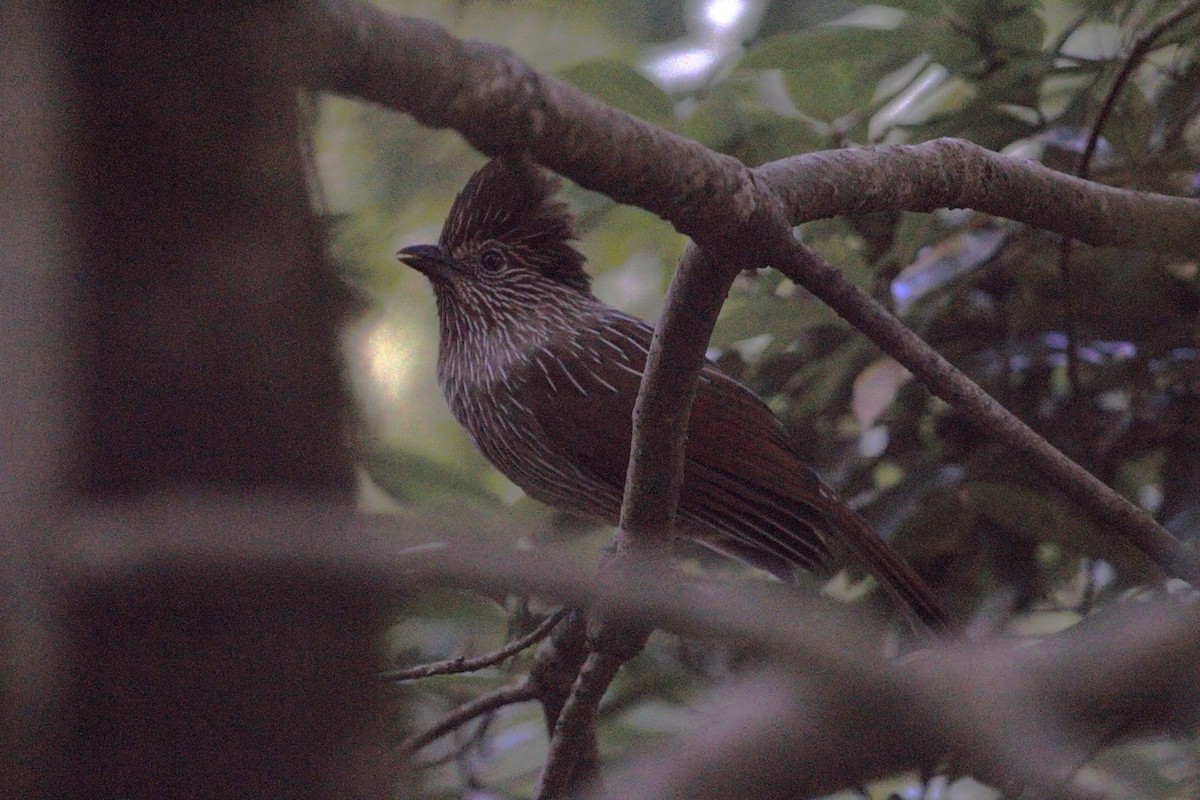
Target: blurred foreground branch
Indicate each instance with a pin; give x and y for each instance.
(1021, 716)
(1011, 713)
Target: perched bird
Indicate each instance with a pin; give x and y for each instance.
(544, 377)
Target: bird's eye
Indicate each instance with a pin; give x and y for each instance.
(491, 260)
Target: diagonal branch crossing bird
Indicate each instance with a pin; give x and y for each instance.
(544, 377)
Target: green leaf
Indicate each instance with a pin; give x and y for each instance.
(1020, 29)
(826, 381)
(733, 121)
(840, 244)
(831, 90)
(744, 317)
(1131, 126)
(831, 72)
(409, 478)
(945, 45)
(931, 8)
(978, 121)
(1050, 519)
(769, 136)
(1018, 82)
(821, 46)
(716, 120)
(621, 86)
(912, 233)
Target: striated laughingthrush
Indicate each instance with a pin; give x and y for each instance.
(544, 378)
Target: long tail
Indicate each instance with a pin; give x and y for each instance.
(898, 578)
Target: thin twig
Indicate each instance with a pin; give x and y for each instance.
(505, 696)
(1137, 54)
(455, 666)
(459, 751)
(1141, 46)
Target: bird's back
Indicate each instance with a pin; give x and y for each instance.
(560, 424)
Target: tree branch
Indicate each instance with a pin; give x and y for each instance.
(945, 380)
(456, 666)
(1137, 54)
(505, 696)
(1021, 718)
(568, 764)
(951, 173)
(500, 104)
(647, 511)
(556, 665)
(1134, 667)
(655, 475)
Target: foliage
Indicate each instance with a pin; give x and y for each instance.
(1027, 78)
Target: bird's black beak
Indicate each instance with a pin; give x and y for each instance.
(429, 259)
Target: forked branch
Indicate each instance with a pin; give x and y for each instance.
(501, 104)
(738, 218)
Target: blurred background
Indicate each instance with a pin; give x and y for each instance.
(761, 81)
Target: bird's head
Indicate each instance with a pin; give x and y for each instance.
(507, 239)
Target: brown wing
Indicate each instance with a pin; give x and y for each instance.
(743, 487)
(745, 491)
(581, 395)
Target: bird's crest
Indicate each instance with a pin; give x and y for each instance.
(512, 201)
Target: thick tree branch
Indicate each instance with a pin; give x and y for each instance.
(951, 173)
(501, 104)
